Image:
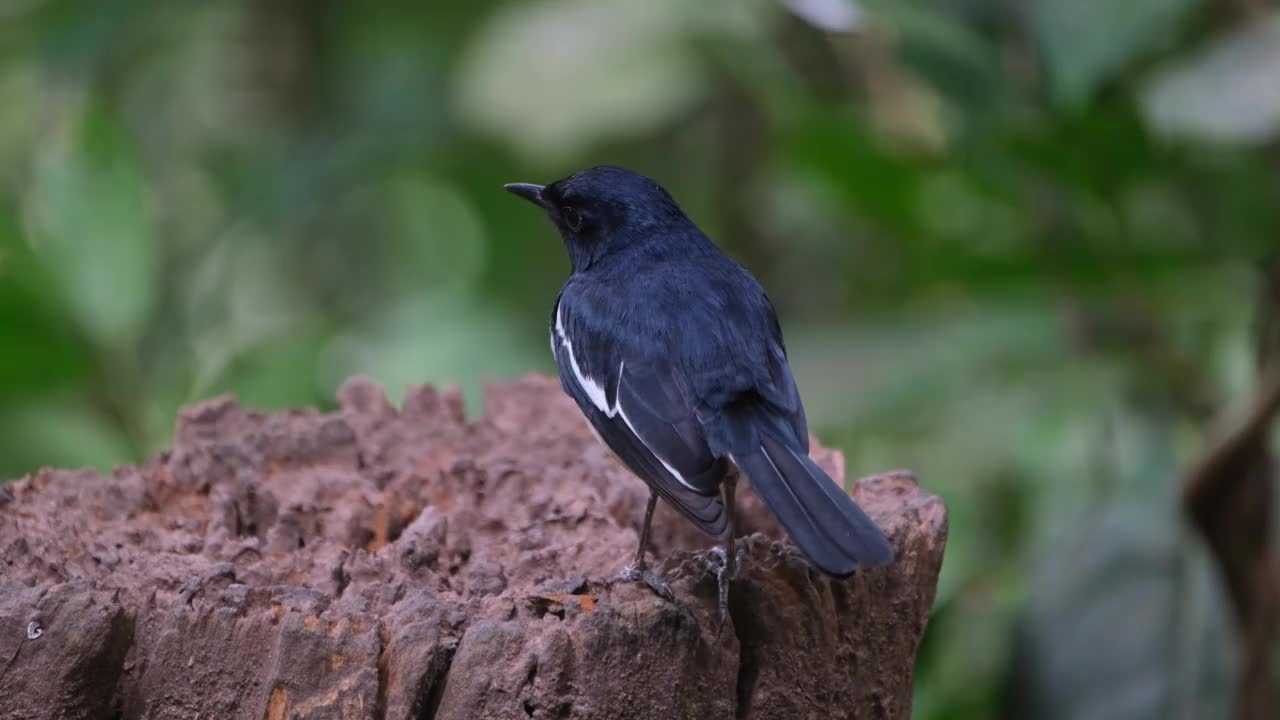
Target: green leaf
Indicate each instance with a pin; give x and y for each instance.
(557, 76)
(845, 156)
(238, 301)
(18, 125)
(1228, 92)
(1087, 42)
(430, 338)
(41, 353)
(87, 221)
(53, 433)
(280, 375)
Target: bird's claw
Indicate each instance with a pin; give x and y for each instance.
(636, 572)
(718, 564)
(715, 561)
(723, 581)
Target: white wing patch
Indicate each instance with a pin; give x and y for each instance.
(594, 391)
(665, 464)
(596, 394)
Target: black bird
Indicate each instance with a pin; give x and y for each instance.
(673, 352)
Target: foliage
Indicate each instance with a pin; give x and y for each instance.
(1011, 244)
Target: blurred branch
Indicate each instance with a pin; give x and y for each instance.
(1229, 495)
(285, 48)
(742, 156)
(1249, 10)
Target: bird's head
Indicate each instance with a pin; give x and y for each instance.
(602, 210)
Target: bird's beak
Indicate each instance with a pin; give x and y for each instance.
(532, 193)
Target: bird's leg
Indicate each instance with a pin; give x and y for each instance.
(644, 529)
(638, 571)
(727, 571)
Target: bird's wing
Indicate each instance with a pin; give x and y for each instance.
(752, 413)
(642, 410)
(777, 385)
(732, 352)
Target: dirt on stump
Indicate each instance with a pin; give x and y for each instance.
(375, 563)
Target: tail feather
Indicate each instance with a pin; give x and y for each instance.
(819, 517)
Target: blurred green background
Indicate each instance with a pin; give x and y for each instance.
(1013, 245)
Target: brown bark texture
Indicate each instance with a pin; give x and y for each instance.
(384, 563)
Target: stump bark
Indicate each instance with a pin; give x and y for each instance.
(383, 563)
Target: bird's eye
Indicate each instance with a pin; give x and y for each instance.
(572, 218)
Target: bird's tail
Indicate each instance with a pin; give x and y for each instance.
(819, 517)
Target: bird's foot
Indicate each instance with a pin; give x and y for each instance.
(723, 581)
(715, 561)
(639, 572)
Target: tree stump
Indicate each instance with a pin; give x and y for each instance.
(375, 563)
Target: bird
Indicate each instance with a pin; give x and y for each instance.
(674, 353)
